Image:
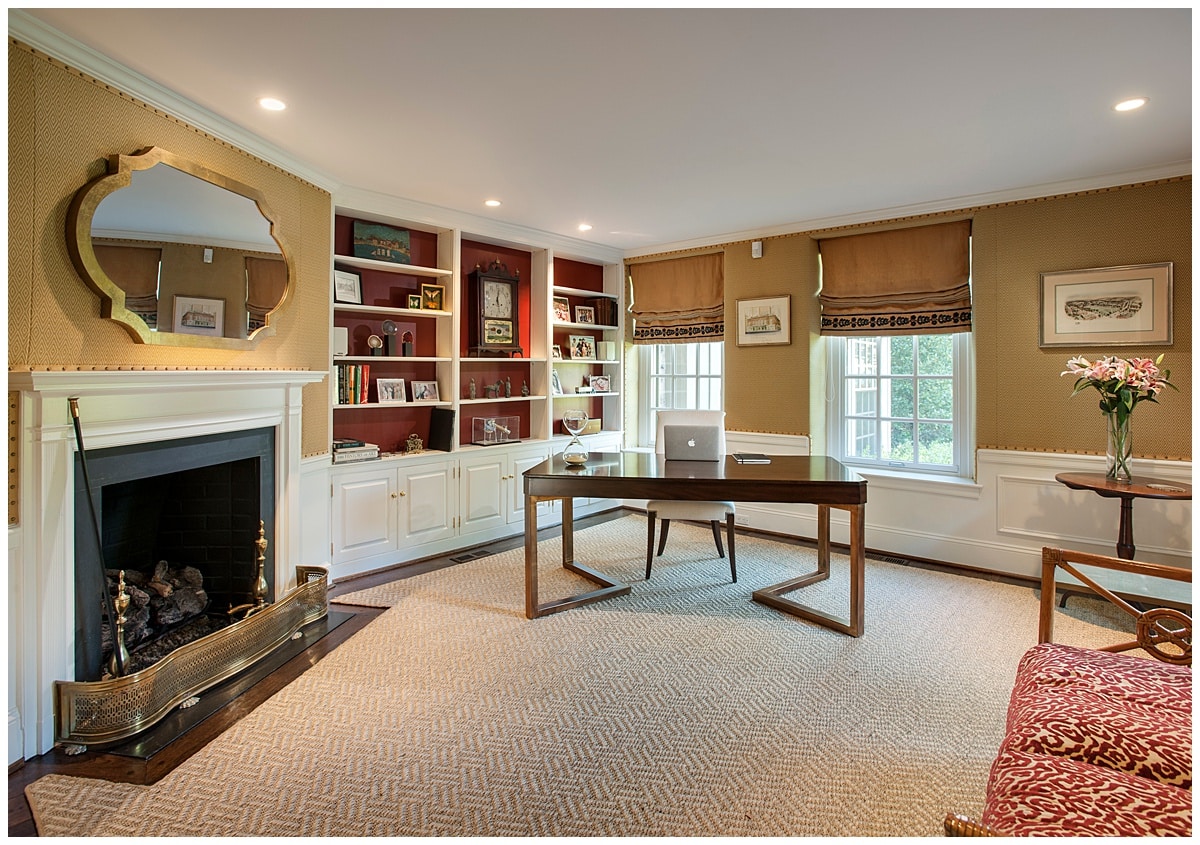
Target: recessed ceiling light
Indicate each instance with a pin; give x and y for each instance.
(492, 203)
(271, 104)
(1131, 104)
(585, 227)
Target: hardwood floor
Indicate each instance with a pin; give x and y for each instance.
(241, 698)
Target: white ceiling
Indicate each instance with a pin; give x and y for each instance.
(674, 126)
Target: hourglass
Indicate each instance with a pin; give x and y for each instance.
(574, 421)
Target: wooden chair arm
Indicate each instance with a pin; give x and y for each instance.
(957, 825)
(1164, 633)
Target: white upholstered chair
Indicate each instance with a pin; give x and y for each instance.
(713, 513)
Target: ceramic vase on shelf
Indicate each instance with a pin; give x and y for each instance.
(1120, 446)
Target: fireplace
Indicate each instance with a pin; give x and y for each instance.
(121, 409)
(195, 504)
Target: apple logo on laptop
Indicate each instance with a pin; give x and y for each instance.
(692, 441)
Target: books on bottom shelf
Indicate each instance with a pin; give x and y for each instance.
(347, 451)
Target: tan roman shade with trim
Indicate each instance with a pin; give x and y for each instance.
(903, 281)
(681, 300)
(266, 282)
(134, 269)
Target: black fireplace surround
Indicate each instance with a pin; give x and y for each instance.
(191, 502)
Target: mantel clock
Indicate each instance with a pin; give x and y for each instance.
(495, 311)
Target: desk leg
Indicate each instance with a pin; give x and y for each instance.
(774, 596)
(1125, 549)
(534, 608)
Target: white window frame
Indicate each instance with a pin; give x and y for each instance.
(647, 412)
(963, 378)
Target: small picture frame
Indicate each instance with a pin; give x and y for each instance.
(390, 391)
(425, 391)
(199, 316)
(1107, 306)
(562, 309)
(600, 383)
(585, 314)
(583, 347)
(414, 301)
(347, 287)
(433, 297)
(764, 321)
(555, 384)
(556, 352)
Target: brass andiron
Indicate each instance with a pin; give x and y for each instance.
(260, 581)
(119, 659)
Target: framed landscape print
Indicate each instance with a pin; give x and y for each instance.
(347, 287)
(200, 316)
(1110, 306)
(381, 243)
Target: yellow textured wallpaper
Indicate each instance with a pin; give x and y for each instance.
(62, 127)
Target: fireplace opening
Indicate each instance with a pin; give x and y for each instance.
(181, 518)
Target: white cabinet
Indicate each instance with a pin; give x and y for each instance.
(365, 515)
(491, 490)
(427, 506)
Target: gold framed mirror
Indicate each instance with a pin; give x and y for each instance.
(180, 255)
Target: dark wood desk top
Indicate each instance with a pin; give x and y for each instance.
(1139, 487)
(640, 475)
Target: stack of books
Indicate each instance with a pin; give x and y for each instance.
(606, 311)
(349, 451)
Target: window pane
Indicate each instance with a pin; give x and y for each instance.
(937, 399)
(860, 397)
(898, 355)
(897, 397)
(936, 355)
(861, 439)
(937, 443)
(897, 441)
(862, 354)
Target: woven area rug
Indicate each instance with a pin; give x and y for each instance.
(682, 709)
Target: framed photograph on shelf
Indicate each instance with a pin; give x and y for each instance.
(600, 383)
(414, 300)
(425, 391)
(555, 384)
(390, 391)
(433, 297)
(583, 347)
(585, 314)
(764, 321)
(347, 287)
(556, 352)
(1109, 306)
(562, 309)
(199, 315)
(381, 243)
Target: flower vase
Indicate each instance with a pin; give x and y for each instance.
(1120, 447)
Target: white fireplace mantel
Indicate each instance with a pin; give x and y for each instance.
(118, 408)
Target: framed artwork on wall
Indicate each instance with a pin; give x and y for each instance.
(199, 315)
(1109, 306)
(347, 287)
(764, 321)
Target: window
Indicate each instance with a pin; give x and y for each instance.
(678, 376)
(902, 402)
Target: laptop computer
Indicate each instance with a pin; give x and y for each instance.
(692, 443)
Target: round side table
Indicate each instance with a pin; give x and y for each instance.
(1139, 487)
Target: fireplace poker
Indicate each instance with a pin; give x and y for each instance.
(105, 604)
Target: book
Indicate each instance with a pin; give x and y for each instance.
(751, 458)
(357, 450)
(346, 443)
(354, 456)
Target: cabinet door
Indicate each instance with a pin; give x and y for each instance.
(427, 504)
(516, 485)
(482, 489)
(364, 515)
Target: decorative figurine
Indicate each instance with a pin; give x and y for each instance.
(472, 388)
(524, 387)
(507, 389)
(414, 444)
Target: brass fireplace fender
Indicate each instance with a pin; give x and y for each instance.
(103, 712)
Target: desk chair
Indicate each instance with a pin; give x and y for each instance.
(667, 509)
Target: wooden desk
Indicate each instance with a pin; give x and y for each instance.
(1138, 487)
(638, 475)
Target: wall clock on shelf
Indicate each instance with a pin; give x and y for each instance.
(495, 319)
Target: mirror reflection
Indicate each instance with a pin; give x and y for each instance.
(181, 254)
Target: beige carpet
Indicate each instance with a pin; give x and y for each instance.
(682, 709)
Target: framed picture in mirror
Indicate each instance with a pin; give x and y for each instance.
(199, 316)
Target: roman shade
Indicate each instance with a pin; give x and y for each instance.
(903, 281)
(681, 300)
(134, 269)
(266, 282)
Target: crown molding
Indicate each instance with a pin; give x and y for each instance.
(29, 30)
(942, 206)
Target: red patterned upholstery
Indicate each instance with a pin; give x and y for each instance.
(1097, 743)
(1044, 795)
